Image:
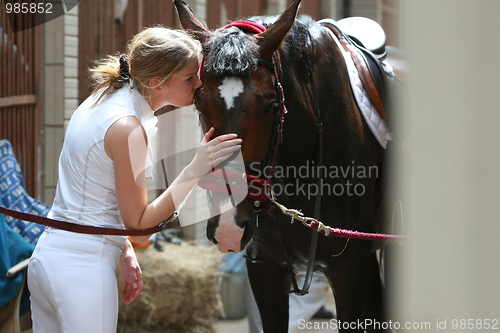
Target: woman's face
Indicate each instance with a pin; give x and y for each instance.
(180, 88)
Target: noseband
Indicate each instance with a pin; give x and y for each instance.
(259, 189)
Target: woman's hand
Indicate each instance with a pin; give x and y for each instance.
(131, 273)
(213, 152)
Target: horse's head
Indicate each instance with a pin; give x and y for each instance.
(239, 95)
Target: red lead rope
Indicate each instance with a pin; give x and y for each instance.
(355, 234)
(329, 231)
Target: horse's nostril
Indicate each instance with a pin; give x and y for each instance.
(247, 234)
(243, 222)
(212, 225)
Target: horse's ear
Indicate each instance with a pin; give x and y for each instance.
(270, 40)
(189, 21)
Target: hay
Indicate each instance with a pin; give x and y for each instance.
(179, 294)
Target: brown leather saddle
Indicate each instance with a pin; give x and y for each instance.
(365, 40)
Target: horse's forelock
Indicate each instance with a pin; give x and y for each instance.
(230, 52)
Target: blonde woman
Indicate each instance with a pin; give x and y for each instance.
(71, 276)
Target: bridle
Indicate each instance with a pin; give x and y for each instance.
(259, 189)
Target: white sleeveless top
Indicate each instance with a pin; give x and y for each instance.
(86, 192)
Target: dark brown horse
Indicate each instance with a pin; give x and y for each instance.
(339, 182)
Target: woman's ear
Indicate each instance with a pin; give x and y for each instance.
(154, 84)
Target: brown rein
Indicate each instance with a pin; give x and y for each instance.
(84, 229)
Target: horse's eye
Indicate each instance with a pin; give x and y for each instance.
(271, 107)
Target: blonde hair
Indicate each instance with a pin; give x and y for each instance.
(155, 52)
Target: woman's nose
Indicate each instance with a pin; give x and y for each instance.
(197, 83)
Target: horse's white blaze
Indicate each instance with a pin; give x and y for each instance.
(230, 88)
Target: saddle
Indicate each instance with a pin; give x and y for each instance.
(365, 40)
(366, 33)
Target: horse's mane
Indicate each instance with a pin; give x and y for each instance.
(231, 52)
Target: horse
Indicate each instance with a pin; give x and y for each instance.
(285, 91)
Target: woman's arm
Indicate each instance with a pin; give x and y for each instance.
(126, 145)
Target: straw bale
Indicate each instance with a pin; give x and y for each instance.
(180, 291)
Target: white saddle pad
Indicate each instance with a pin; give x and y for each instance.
(372, 117)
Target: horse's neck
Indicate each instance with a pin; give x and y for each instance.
(308, 84)
(328, 99)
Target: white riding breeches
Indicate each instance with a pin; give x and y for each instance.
(71, 278)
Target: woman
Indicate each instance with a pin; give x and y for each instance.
(71, 276)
